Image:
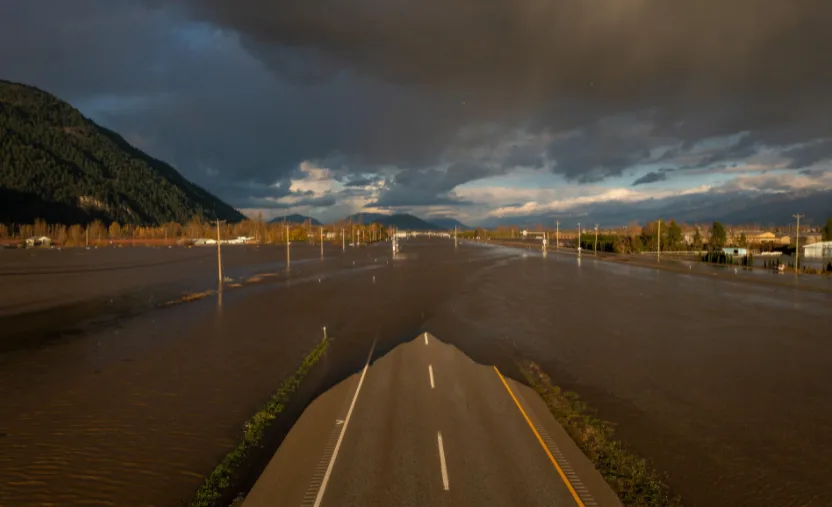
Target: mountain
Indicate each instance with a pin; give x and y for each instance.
(742, 207)
(399, 221)
(294, 219)
(57, 165)
(367, 218)
(448, 223)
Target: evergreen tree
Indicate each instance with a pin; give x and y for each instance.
(718, 236)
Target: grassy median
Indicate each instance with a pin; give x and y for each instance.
(635, 481)
(219, 483)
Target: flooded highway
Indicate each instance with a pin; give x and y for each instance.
(720, 383)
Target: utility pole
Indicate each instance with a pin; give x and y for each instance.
(659, 249)
(557, 234)
(343, 241)
(798, 216)
(322, 242)
(219, 254)
(579, 239)
(596, 240)
(288, 255)
(456, 243)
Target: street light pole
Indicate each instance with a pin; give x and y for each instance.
(596, 240)
(219, 254)
(798, 216)
(659, 249)
(288, 255)
(557, 234)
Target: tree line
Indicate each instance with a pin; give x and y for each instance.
(98, 233)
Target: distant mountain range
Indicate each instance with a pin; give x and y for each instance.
(294, 219)
(448, 223)
(399, 220)
(59, 166)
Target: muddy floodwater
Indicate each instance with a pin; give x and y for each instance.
(110, 399)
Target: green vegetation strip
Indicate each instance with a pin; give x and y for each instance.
(631, 477)
(221, 478)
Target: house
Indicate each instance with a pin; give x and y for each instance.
(808, 238)
(757, 237)
(689, 235)
(753, 237)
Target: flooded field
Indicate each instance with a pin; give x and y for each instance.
(721, 383)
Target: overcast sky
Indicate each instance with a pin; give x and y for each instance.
(467, 108)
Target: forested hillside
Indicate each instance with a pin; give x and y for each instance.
(57, 165)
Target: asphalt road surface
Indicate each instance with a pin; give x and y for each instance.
(425, 425)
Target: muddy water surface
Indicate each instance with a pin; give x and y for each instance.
(722, 384)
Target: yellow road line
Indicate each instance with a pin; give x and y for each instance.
(542, 444)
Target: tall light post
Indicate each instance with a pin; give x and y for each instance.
(595, 252)
(557, 233)
(798, 216)
(219, 254)
(288, 242)
(659, 249)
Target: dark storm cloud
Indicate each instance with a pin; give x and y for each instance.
(238, 94)
(323, 201)
(705, 68)
(430, 187)
(608, 50)
(650, 178)
(362, 182)
(809, 154)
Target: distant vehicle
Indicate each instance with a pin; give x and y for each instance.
(38, 241)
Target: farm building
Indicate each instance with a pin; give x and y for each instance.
(732, 250)
(819, 250)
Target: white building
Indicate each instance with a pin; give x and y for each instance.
(819, 250)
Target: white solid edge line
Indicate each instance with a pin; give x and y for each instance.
(426, 338)
(442, 461)
(430, 370)
(325, 480)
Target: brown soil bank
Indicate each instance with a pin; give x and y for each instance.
(723, 385)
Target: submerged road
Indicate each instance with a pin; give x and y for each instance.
(425, 425)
